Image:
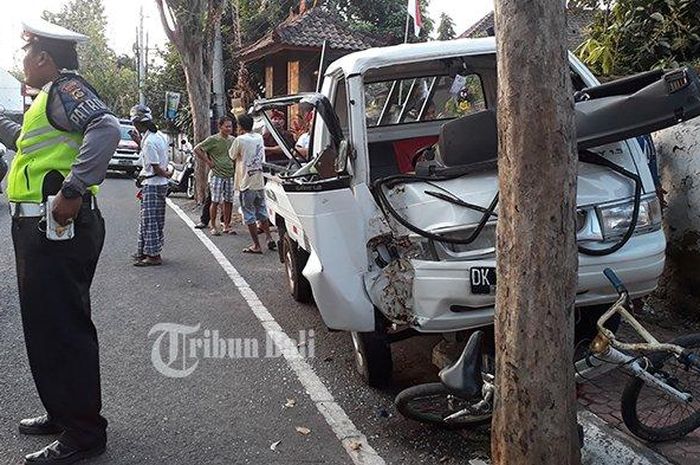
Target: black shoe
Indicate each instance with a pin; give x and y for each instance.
(60, 453)
(39, 426)
(200, 226)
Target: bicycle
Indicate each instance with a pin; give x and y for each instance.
(661, 372)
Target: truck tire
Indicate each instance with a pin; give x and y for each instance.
(373, 357)
(294, 262)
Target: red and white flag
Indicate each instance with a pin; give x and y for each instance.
(414, 12)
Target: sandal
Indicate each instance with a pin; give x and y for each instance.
(149, 261)
(271, 245)
(252, 251)
(214, 232)
(230, 232)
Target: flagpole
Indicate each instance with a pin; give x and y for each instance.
(408, 21)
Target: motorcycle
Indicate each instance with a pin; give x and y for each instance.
(183, 179)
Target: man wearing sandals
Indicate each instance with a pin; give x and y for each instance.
(247, 152)
(153, 148)
(214, 152)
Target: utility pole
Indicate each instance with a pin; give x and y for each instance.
(219, 94)
(142, 57)
(534, 420)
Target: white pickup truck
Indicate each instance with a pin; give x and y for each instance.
(392, 239)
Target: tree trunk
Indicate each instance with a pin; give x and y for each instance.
(199, 93)
(534, 419)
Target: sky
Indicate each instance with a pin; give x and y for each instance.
(122, 17)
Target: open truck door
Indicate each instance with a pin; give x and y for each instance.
(318, 188)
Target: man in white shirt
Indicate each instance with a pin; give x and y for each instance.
(155, 175)
(248, 152)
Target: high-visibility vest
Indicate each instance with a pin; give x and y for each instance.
(41, 148)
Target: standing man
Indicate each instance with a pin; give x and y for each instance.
(247, 152)
(214, 152)
(153, 148)
(63, 149)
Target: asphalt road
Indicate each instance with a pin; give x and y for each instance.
(228, 410)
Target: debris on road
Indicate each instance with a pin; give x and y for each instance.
(355, 445)
(303, 430)
(273, 446)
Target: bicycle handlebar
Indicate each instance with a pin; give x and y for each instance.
(615, 281)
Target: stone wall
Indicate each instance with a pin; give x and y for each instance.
(679, 162)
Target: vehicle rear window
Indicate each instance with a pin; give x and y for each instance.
(431, 98)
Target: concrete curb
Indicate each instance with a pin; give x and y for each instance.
(606, 445)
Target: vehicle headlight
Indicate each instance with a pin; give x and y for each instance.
(615, 219)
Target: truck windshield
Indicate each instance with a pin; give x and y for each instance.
(430, 98)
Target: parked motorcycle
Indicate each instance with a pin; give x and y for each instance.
(183, 179)
(3, 164)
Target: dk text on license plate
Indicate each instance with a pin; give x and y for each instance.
(483, 280)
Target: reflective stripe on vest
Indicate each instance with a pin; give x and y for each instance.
(41, 148)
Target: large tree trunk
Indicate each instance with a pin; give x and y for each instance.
(534, 419)
(199, 93)
(191, 26)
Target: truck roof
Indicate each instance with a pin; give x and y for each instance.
(360, 62)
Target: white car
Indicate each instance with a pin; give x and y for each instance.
(392, 240)
(126, 158)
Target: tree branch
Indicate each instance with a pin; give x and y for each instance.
(166, 27)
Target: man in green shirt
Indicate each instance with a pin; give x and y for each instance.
(214, 152)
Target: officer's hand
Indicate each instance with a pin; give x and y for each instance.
(65, 209)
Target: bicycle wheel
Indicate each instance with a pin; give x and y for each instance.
(651, 414)
(431, 403)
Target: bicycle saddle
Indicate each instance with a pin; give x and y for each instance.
(463, 377)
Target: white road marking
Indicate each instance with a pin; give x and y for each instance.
(354, 442)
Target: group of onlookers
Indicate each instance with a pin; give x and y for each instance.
(234, 157)
(236, 165)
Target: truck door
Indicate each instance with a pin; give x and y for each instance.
(319, 190)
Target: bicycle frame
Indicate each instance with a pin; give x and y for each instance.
(606, 353)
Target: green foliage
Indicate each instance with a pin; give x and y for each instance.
(113, 77)
(386, 18)
(630, 36)
(446, 29)
(260, 16)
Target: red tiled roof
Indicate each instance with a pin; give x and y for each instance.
(310, 30)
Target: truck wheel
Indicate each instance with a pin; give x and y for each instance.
(294, 262)
(373, 357)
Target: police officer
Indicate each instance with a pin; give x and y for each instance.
(63, 148)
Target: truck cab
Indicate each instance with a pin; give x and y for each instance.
(391, 221)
